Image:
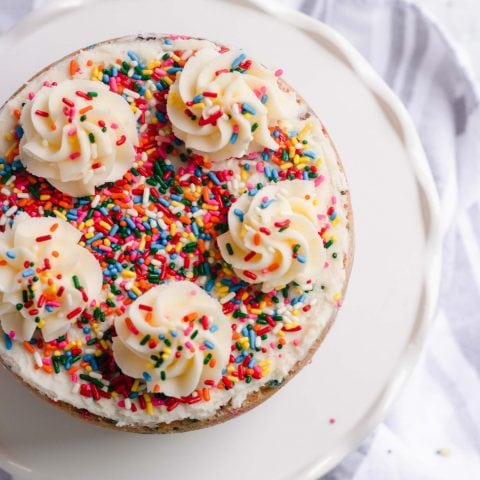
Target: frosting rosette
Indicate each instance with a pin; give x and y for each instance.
(222, 104)
(273, 236)
(175, 337)
(46, 279)
(78, 135)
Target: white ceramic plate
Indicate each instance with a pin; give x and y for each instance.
(378, 334)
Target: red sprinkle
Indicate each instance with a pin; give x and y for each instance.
(250, 274)
(147, 308)
(121, 140)
(41, 113)
(43, 238)
(74, 313)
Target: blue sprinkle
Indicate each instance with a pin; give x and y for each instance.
(168, 41)
(252, 192)
(174, 70)
(133, 56)
(105, 78)
(248, 108)
(239, 214)
(301, 259)
(130, 223)
(238, 60)
(310, 154)
(133, 395)
(246, 166)
(240, 358)
(96, 237)
(267, 203)
(11, 254)
(197, 98)
(49, 308)
(209, 344)
(163, 202)
(132, 295)
(214, 178)
(173, 333)
(195, 229)
(114, 71)
(19, 131)
(213, 328)
(28, 272)
(264, 98)
(276, 133)
(233, 138)
(252, 363)
(245, 331)
(209, 285)
(104, 211)
(251, 338)
(8, 341)
(333, 216)
(147, 376)
(177, 198)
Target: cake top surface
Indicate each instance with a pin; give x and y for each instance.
(193, 214)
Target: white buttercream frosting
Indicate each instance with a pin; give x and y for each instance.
(39, 258)
(78, 135)
(175, 337)
(273, 236)
(222, 112)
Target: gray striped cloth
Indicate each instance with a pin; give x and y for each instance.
(433, 430)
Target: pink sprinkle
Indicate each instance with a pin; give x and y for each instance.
(11, 334)
(236, 129)
(334, 200)
(72, 132)
(74, 378)
(31, 96)
(75, 155)
(260, 166)
(319, 180)
(114, 126)
(113, 85)
(325, 265)
(296, 342)
(332, 421)
(322, 217)
(278, 72)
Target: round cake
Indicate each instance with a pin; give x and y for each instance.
(176, 233)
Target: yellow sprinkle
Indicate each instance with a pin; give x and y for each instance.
(337, 296)
(9, 136)
(104, 344)
(175, 57)
(179, 247)
(206, 206)
(305, 130)
(147, 71)
(256, 311)
(81, 225)
(89, 223)
(148, 94)
(128, 274)
(281, 333)
(89, 235)
(173, 229)
(133, 107)
(230, 369)
(45, 197)
(199, 222)
(264, 363)
(232, 378)
(198, 105)
(60, 215)
(141, 245)
(149, 408)
(167, 80)
(285, 166)
(88, 368)
(291, 152)
(136, 291)
(135, 385)
(336, 221)
(243, 174)
(296, 159)
(295, 312)
(41, 324)
(105, 225)
(107, 242)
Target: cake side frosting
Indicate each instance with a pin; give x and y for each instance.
(161, 221)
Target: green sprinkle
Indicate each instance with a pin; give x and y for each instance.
(91, 137)
(76, 282)
(207, 359)
(254, 126)
(229, 248)
(328, 244)
(163, 375)
(145, 339)
(92, 94)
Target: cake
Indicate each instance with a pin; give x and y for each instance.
(176, 233)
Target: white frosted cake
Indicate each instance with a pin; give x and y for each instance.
(176, 233)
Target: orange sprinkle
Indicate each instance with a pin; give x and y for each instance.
(273, 267)
(54, 227)
(156, 388)
(206, 394)
(212, 363)
(47, 368)
(256, 239)
(86, 109)
(89, 63)
(2, 263)
(74, 68)
(28, 347)
(55, 253)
